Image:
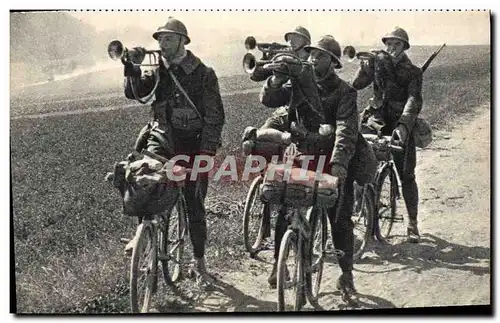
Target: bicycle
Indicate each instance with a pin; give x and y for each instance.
(387, 194)
(257, 216)
(158, 237)
(306, 234)
(363, 220)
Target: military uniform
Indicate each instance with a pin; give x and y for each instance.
(401, 105)
(179, 130)
(339, 103)
(261, 74)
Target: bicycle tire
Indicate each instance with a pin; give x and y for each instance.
(365, 218)
(316, 216)
(145, 235)
(251, 199)
(382, 232)
(175, 258)
(290, 240)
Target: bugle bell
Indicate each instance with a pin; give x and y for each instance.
(117, 51)
(251, 43)
(250, 63)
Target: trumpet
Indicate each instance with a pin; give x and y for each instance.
(250, 63)
(117, 51)
(351, 52)
(266, 48)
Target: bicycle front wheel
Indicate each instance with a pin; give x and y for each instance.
(363, 222)
(290, 278)
(315, 257)
(172, 240)
(253, 218)
(387, 193)
(143, 270)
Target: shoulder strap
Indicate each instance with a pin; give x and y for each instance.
(179, 86)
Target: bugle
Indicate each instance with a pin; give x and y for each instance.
(267, 48)
(117, 51)
(250, 63)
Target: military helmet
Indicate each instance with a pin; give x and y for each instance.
(301, 31)
(398, 33)
(329, 45)
(173, 26)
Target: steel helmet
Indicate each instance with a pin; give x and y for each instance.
(329, 45)
(398, 33)
(173, 26)
(301, 31)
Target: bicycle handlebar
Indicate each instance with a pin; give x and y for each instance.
(386, 141)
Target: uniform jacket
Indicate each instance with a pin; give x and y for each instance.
(170, 106)
(338, 100)
(403, 101)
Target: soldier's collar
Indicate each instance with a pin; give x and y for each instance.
(189, 63)
(402, 60)
(330, 82)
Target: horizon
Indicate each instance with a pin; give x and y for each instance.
(424, 28)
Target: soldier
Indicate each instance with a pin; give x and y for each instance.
(299, 38)
(339, 103)
(395, 111)
(188, 117)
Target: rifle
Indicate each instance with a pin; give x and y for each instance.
(431, 58)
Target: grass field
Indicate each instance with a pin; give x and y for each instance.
(67, 220)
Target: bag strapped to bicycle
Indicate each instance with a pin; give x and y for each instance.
(296, 187)
(142, 200)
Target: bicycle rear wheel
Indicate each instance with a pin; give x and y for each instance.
(315, 257)
(172, 241)
(143, 270)
(387, 194)
(253, 218)
(290, 281)
(364, 222)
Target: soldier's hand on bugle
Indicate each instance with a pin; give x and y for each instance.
(278, 79)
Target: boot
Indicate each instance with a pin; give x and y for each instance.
(412, 232)
(273, 278)
(345, 283)
(197, 267)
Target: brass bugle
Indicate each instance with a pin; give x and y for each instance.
(250, 63)
(117, 51)
(251, 43)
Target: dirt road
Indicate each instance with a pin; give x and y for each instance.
(451, 265)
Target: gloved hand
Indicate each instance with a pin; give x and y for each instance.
(298, 131)
(289, 65)
(130, 70)
(136, 55)
(400, 134)
(339, 171)
(278, 79)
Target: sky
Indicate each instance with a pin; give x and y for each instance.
(356, 28)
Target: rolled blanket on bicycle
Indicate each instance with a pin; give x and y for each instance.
(295, 186)
(262, 148)
(267, 135)
(144, 187)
